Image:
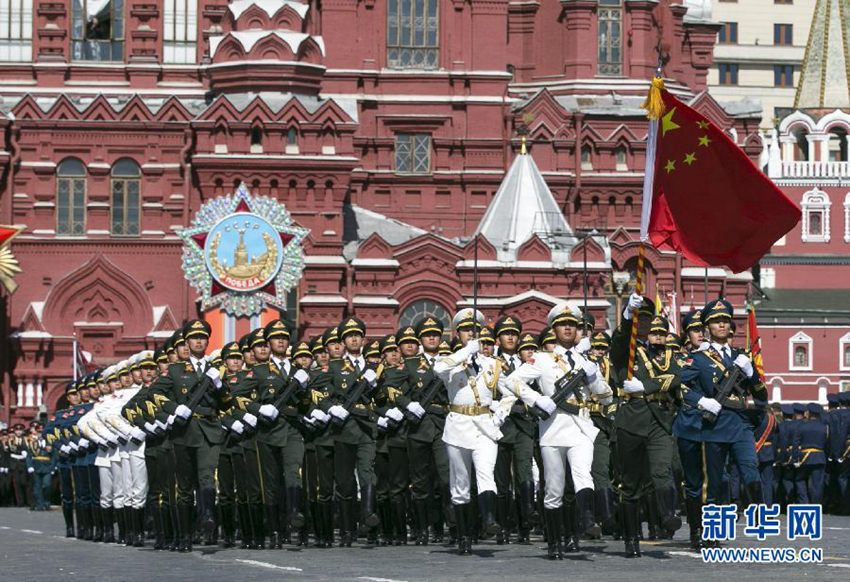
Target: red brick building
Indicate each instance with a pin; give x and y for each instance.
(385, 127)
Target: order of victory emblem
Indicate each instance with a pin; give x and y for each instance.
(243, 253)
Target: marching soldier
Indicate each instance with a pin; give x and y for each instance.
(198, 435)
(693, 329)
(810, 447)
(765, 436)
(516, 447)
(644, 422)
(472, 427)
(53, 435)
(566, 435)
(426, 450)
(391, 463)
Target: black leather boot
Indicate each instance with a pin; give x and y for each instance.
(399, 519)
(487, 508)
(139, 540)
(554, 545)
(421, 507)
(526, 504)
(159, 532)
(68, 514)
(587, 520)
(367, 502)
(244, 514)
(605, 510)
(228, 525)
(693, 509)
(208, 525)
(754, 492)
(273, 518)
(129, 526)
(503, 536)
(346, 526)
(327, 510)
(631, 523)
(294, 500)
(464, 542)
(185, 515)
(97, 523)
(108, 529)
(570, 528)
(122, 525)
(258, 537)
(667, 517)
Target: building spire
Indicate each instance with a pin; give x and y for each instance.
(825, 70)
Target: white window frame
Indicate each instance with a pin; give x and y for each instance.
(767, 276)
(815, 200)
(843, 342)
(847, 217)
(16, 30)
(180, 31)
(797, 339)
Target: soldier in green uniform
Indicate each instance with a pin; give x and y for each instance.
(602, 416)
(198, 436)
(391, 463)
(426, 450)
(516, 447)
(279, 440)
(644, 421)
(310, 474)
(354, 430)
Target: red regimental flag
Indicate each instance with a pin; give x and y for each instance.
(709, 201)
(754, 341)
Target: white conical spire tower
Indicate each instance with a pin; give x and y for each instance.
(824, 73)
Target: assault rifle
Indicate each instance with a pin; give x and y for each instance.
(730, 394)
(430, 392)
(566, 386)
(352, 397)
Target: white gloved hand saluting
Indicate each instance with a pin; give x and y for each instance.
(472, 347)
(416, 409)
(302, 377)
(709, 404)
(591, 369)
(635, 301)
(269, 411)
(743, 362)
(583, 346)
(633, 386)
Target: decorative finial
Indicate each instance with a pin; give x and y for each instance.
(523, 150)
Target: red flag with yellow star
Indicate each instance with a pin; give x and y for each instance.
(709, 201)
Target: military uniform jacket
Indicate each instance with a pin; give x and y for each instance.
(391, 385)
(360, 427)
(468, 387)
(145, 407)
(271, 382)
(319, 394)
(702, 375)
(242, 394)
(203, 427)
(419, 375)
(811, 442)
(602, 414)
(561, 429)
(837, 433)
(520, 423)
(39, 458)
(79, 411)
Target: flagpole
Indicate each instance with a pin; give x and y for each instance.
(74, 355)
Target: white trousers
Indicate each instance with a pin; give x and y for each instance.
(461, 462)
(135, 481)
(111, 485)
(555, 470)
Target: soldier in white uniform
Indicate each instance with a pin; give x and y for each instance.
(565, 435)
(472, 427)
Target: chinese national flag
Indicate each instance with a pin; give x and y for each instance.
(754, 340)
(709, 201)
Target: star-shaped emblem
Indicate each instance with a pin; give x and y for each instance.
(704, 141)
(9, 266)
(702, 124)
(671, 165)
(667, 123)
(690, 158)
(243, 252)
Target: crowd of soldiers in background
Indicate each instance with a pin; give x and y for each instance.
(268, 442)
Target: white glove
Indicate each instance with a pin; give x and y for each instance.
(84, 443)
(319, 415)
(159, 424)
(74, 445)
(269, 411)
(370, 376)
(416, 409)
(583, 346)
(338, 411)
(30, 470)
(591, 369)
(138, 433)
(170, 420)
(709, 404)
(382, 422)
(309, 420)
(472, 347)
(545, 404)
(65, 449)
(494, 406)
(214, 375)
(743, 362)
(183, 412)
(395, 414)
(249, 419)
(635, 301)
(301, 377)
(112, 440)
(703, 346)
(499, 417)
(237, 427)
(633, 386)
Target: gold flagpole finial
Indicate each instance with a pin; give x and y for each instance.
(523, 149)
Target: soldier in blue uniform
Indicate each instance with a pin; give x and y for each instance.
(842, 457)
(809, 449)
(702, 376)
(835, 421)
(693, 330)
(765, 437)
(784, 434)
(53, 435)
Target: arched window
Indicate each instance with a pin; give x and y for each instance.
(71, 197)
(126, 205)
(609, 35)
(586, 160)
(412, 34)
(620, 159)
(256, 140)
(837, 144)
(844, 352)
(815, 205)
(425, 308)
(292, 141)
